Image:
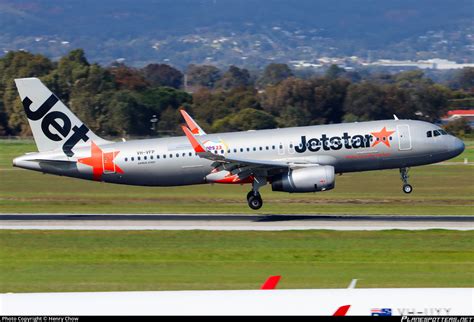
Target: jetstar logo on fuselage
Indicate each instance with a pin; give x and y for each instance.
(348, 142)
(101, 162)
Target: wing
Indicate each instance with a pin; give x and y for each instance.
(241, 166)
(193, 126)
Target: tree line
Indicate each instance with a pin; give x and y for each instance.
(121, 101)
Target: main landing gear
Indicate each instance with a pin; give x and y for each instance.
(255, 200)
(253, 197)
(404, 176)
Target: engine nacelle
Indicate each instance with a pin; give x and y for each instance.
(310, 179)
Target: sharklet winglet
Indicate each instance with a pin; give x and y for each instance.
(191, 123)
(197, 146)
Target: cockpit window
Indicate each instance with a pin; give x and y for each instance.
(443, 132)
(429, 134)
(436, 133)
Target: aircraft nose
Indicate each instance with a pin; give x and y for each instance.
(457, 146)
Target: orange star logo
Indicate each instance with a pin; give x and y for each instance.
(382, 137)
(101, 162)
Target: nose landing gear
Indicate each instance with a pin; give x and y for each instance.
(253, 197)
(404, 176)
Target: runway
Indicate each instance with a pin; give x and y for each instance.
(230, 222)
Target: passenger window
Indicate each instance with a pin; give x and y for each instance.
(138, 158)
(126, 159)
(133, 159)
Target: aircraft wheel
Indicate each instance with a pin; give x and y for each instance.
(407, 188)
(252, 193)
(255, 202)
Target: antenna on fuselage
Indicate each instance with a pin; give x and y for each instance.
(395, 117)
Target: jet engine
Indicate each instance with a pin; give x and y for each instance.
(310, 179)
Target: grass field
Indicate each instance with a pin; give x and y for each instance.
(438, 190)
(53, 261)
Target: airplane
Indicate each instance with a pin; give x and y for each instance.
(266, 301)
(294, 160)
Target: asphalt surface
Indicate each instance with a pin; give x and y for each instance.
(230, 222)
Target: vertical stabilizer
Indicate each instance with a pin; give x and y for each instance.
(54, 126)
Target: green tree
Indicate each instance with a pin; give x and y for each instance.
(319, 100)
(163, 75)
(126, 116)
(399, 101)
(292, 116)
(431, 101)
(203, 75)
(459, 127)
(209, 106)
(464, 79)
(365, 101)
(412, 79)
(334, 71)
(3, 120)
(71, 68)
(274, 74)
(246, 119)
(234, 77)
(128, 78)
(17, 65)
(329, 98)
(294, 92)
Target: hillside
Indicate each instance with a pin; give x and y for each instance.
(242, 32)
